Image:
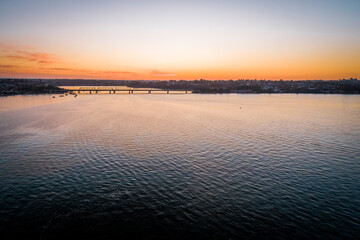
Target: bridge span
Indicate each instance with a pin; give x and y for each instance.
(114, 90)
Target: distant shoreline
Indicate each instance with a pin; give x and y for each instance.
(51, 86)
(33, 94)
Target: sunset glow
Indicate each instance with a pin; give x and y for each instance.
(180, 39)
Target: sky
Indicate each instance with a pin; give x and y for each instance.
(204, 39)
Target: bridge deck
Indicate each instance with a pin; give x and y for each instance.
(94, 90)
(125, 90)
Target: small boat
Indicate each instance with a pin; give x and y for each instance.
(75, 95)
(61, 96)
(53, 96)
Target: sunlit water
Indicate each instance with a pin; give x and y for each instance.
(180, 166)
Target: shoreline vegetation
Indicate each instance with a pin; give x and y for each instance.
(9, 86)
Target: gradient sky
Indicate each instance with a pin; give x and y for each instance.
(212, 39)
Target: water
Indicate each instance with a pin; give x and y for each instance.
(180, 166)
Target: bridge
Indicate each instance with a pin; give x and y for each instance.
(96, 90)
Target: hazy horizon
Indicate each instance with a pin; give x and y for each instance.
(247, 79)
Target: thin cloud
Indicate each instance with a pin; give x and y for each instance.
(26, 53)
(60, 69)
(89, 72)
(8, 66)
(7, 46)
(39, 57)
(159, 73)
(46, 62)
(117, 72)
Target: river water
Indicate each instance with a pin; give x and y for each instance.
(180, 166)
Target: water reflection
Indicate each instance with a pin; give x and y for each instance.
(9, 103)
(194, 166)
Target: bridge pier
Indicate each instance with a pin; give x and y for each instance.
(167, 91)
(114, 91)
(90, 91)
(149, 91)
(132, 91)
(109, 92)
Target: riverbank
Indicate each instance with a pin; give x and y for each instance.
(16, 87)
(31, 86)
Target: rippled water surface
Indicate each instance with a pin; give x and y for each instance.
(180, 166)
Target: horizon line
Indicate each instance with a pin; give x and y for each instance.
(253, 79)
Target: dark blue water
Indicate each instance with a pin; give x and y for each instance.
(180, 167)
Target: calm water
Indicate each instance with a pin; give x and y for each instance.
(180, 166)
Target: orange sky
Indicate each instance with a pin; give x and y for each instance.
(24, 61)
(189, 40)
